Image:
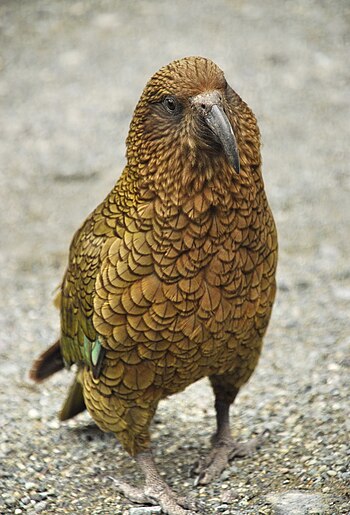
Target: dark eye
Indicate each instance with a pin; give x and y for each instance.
(171, 104)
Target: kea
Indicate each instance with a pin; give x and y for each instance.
(172, 277)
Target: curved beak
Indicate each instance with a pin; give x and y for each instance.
(210, 106)
(218, 122)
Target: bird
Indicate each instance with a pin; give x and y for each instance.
(172, 277)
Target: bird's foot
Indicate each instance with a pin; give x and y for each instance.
(224, 450)
(157, 492)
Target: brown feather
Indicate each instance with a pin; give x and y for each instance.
(47, 364)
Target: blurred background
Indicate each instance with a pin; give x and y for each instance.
(71, 73)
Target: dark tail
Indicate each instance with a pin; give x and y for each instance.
(48, 363)
(74, 402)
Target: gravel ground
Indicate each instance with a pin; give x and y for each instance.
(70, 75)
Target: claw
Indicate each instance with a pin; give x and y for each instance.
(156, 495)
(241, 450)
(196, 480)
(155, 492)
(223, 451)
(134, 494)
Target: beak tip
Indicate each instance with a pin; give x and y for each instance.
(218, 122)
(233, 158)
(237, 166)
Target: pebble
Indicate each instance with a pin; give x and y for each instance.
(33, 413)
(296, 503)
(9, 500)
(225, 475)
(25, 500)
(145, 510)
(40, 506)
(29, 485)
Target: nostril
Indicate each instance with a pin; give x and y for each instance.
(203, 106)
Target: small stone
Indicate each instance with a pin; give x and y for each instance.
(295, 503)
(51, 492)
(53, 424)
(40, 506)
(225, 475)
(145, 510)
(333, 367)
(25, 500)
(29, 485)
(342, 293)
(331, 473)
(18, 511)
(229, 496)
(9, 500)
(33, 413)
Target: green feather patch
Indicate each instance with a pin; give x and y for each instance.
(93, 355)
(95, 352)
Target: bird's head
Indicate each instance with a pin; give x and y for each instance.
(187, 116)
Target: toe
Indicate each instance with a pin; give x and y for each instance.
(214, 470)
(211, 467)
(202, 463)
(187, 503)
(170, 503)
(241, 450)
(157, 494)
(134, 494)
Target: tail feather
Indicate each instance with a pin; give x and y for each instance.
(48, 363)
(74, 402)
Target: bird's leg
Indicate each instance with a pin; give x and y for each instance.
(224, 447)
(155, 490)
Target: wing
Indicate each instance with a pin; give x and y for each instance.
(78, 336)
(80, 342)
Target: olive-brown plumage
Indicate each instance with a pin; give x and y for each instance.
(172, 277)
